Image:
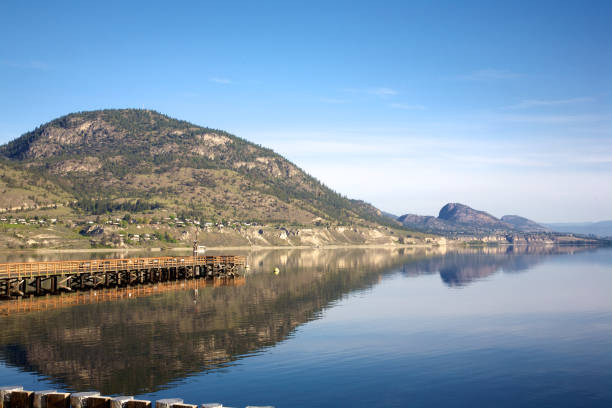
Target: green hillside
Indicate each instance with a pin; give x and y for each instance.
(22, 189)
(141, 160)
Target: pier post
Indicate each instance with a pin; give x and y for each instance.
(5, 394)
(40, 400)
(168, 402)
(79, 399)
(138, 404)
(57, 400)
(98, 402)
(120, 402)
(16, 397)
(22, 399)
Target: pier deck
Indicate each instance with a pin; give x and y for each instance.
(40, 278)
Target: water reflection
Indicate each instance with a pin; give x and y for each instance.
(461, 267)
(141, 344)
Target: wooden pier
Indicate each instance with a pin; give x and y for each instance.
(42, 278)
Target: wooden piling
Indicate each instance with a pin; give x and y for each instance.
(98, 402)
(5, 394)
(120, 402)
(57, 400)
(138, 404)
(167, 402)
(40, 400)
(79, 399)
(22, 399)
(16, 397)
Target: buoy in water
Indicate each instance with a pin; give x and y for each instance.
(276, 271)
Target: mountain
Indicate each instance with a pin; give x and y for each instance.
(459, 219)
(145, 160)
(462, 214)
(600, 228)
(524, 224)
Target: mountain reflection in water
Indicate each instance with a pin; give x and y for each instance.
(141, 345)
(461, 267)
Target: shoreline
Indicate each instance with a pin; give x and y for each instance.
(287, 247)
(215, 248)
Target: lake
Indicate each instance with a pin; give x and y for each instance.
(498, 326)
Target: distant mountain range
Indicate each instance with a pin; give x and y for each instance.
(146, 163)
(459, 219)
(600, 229)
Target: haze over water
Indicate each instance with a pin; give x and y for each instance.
(529, 327)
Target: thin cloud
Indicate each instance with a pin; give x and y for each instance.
(381, 91)
(554, 119)
(435, 152)
(488, 75)
(501, 160)
(534, 103)
(406, 106)
(37, 65)
(334, 100)
(218, 80)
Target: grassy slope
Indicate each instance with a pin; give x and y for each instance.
(20, 188)
(197, 171)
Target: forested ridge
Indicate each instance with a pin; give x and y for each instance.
(107, 159)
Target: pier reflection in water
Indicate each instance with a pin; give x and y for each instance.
(148, 344)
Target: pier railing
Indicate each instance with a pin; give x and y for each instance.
(35, 269)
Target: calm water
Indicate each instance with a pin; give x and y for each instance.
(528, 327)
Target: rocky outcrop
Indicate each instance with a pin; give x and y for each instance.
(462, 214)
(457, 219)
(92, 230)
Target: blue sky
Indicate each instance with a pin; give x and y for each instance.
(504, 106)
